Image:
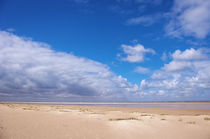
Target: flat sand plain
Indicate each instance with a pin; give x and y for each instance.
(42, 121)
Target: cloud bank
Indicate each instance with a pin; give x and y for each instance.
(31, 70)
(185, 76)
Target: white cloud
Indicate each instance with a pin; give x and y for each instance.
(144, 20)
(135, 53)
(190, 54)
(142, 70)
(190, 18)
(176, 81)
(186, 59)
(30, 69)
(177, 66)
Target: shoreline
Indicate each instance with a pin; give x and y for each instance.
(155, 102)
(172, 111)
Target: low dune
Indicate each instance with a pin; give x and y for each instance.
(39, 121)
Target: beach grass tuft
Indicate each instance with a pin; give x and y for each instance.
(206, 118)
(31, 108)
(145, 115)
(163, 114)
(64, 111)
(84, 110)
(120, 119)
(180, 120)
(191, 122)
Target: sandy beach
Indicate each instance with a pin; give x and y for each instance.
(44, 121)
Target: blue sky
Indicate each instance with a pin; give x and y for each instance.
(119, 50)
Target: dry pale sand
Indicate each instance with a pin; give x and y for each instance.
(35, 121)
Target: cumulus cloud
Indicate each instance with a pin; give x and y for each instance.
(30, 69)
(177, 66)
(174, 80)
(186, 59)
(189, 18)
(191, 54)
(135, 53)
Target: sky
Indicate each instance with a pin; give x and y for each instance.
(107, 50)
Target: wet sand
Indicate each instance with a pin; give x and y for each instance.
(45, 121)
